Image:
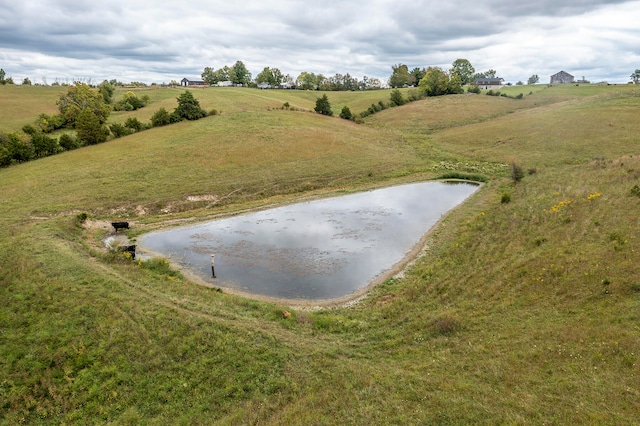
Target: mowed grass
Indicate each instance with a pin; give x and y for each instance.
(20, 105)
(519, 312)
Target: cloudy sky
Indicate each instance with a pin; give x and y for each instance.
(159, 41)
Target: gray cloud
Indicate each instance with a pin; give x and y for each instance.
(145, 41)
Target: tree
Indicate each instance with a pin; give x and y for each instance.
(241, 74)
(397, 98)
(323, 106)
(106, 89)
(416, 75)
(2, 76)
(213, 77)
(90, 128)
(463, 69)
(533, 79)
(26, 81)
(400, 76)
(188, 107)
(307, 81)
(273, 77)
(635, 77)
(437, 82)
(79, 98)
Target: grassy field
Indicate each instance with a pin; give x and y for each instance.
(524, 309)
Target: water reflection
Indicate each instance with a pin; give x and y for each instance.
(318, 250)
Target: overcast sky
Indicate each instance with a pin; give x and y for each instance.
(160, 41)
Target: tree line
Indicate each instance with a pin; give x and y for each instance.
(82, 118)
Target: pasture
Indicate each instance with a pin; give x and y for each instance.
(523, 309)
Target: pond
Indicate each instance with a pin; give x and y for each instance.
(314, 251)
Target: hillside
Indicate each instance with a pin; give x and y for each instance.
(524, 309)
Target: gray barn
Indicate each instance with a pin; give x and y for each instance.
(561, 78)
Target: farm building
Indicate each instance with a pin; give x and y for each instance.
(186, 82)
(561, 78)
(489, 83)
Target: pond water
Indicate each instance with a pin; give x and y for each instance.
(313, 251)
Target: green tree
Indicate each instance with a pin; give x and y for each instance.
(437, 82)
(90, 128)
(307, 81)
(533, 79)
(79, 98)
(323, 106)
(188, 107)
(416, 75)
(213, 77)
(635, 77)
(106, 89)
(26, 81)
(397, 98)
(2, 76)
(241, 74)
(399, 76)
(272, 77)
(463, 69)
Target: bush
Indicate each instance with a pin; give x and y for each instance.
(473, 89)
(517, 173)
(134, 124)
(506, 198)
(160, 118)
(346, 113)
(119, 130)
(68, 142)
(396, 98)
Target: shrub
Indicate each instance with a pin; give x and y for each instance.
(346, 113)
(68, 142)
(635, 190)
(160, 118)
(506, 198)
(323, 106)
(517, 173)
(473, 89)
(119, 130)
(213, 112)
(396, 98)
(134, 124)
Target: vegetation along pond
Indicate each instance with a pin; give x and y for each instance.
(314, 251)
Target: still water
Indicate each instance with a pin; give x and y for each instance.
(317, 250)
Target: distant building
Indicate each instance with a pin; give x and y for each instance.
(562, 78)
(489, 83)
(226, 83)
(186, 82)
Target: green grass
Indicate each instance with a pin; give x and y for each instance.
(523, 312)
